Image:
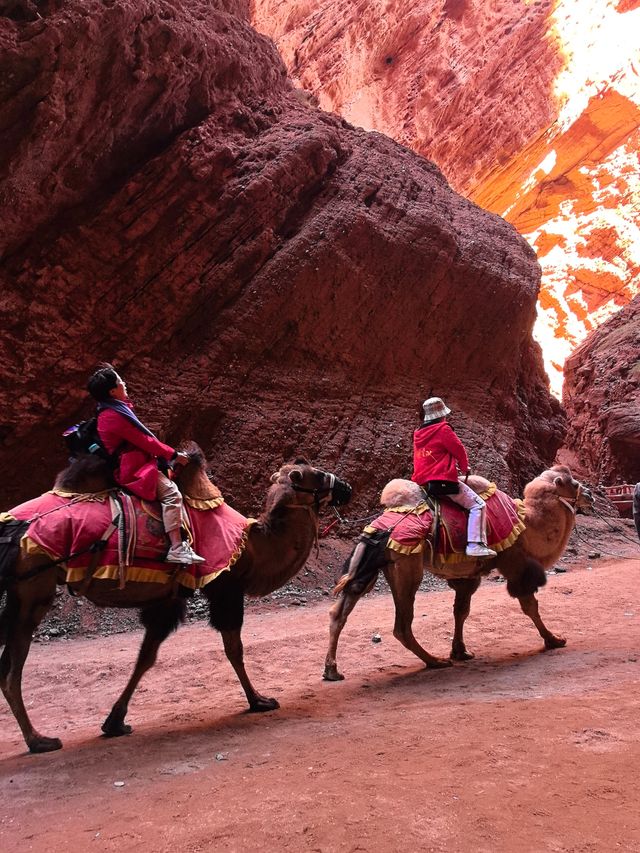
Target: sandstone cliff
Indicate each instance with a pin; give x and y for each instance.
(531, 109)
(602, 394)
(268, 278)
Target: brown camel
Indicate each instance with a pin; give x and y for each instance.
(550, 501)
(277, 547)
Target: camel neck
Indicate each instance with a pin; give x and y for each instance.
(279, 548)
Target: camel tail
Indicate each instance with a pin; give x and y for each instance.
(529, 580)
(363, 566)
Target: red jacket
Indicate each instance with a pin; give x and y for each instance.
(436, 451)
(137, 467)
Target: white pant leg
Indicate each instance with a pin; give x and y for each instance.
(477, 509)
(171, 499)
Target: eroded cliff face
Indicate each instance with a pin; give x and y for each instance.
(530, 107)
(268, 279)
(602, 394)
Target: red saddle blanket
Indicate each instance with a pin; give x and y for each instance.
(65, 525)
(410, 528)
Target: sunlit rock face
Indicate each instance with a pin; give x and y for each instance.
(602, 396)
(268, 279)
(530, 107)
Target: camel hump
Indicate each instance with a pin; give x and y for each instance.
(401, 493)
(477, 483)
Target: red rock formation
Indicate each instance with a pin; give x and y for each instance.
(268, 278)
(531, 109)
(602, 394)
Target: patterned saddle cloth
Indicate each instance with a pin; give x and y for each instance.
(412, 528)
(63, 524)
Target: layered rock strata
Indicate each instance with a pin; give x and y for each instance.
(269, 279)
(531, 109)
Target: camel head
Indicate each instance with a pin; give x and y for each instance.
(560, 481)
(302, 484)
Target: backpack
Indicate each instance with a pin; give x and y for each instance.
(83, 438)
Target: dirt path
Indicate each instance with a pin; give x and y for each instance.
(517, 750)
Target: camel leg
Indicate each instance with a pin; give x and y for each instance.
(235, 653)
(159, 620)
(226, 614)
(529, 605)
(404, 578)
(21, 625)
(464, 589)
(338, 616)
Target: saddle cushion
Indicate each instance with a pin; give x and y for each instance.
(218, 534)
(412, 527)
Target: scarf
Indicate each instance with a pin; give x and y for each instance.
(127, 412)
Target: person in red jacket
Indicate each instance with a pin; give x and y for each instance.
(438, 456)
(136, 451)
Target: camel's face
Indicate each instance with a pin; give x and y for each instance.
(313, 485)
(570, 489)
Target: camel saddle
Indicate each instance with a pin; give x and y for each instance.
(411, 530)
(65, 526)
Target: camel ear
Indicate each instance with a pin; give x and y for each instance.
(274, 477)
(300, 460)
(295, 476)
(558, 481)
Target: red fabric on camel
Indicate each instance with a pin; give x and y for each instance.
(219, 535)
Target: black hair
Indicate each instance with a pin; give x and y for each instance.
(102, 381)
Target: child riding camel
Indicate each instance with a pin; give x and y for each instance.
(438, 454)
(137, 451)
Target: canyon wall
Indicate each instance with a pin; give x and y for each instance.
(269, 279)
(602, 396)
(531, 108)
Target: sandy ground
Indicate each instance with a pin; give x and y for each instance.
(517, 750)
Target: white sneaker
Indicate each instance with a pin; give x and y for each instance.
(477, 549)
(183, 553)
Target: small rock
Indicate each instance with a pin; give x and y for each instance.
(118, 784)
(220, 756)
(560, 570)
(376, 638)
(593, 555)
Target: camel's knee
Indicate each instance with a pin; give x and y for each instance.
(461, 611)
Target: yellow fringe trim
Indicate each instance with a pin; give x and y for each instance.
(405, 549)
(490, 490)
(198, 503)
(409, 509)
(90, 496)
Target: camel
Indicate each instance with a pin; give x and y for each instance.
(550, 501)
(277, 546)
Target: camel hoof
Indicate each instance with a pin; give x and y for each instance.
(331, 674)
(438, 663)
(463, 654)
(555, 643)
(39, 743)
(115, 728)
(261, 704)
